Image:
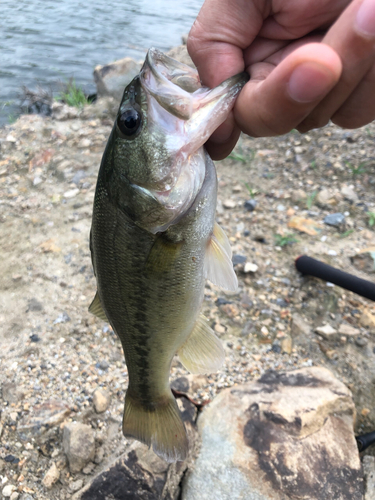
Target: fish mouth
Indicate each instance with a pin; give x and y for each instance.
(184, 113)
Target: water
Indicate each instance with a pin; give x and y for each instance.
(46, 42)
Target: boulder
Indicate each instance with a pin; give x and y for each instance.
(287, 436)
(111, 79)
(180, 53)
(142, 475)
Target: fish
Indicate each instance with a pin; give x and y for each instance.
(154, 240)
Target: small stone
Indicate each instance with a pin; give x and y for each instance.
(349, 193)
(264, 331)
(238, 259)
(280, 208)
(79, 445)
(76, 485)
(15, 495)
(299, 195)
(365, 412)
(361, 341)
(89, 468)
(367, 320)
(325, 198)
(219, 328)
(350, 331)
(287, 345)
(8, 490)
(84, 143)
(326, 331)
(229, 203)
(250, 205)
(364, 260)
(250, 267)
(51, 477)
(101, 400)
(71, 193)
(299, 325)
(335, 220)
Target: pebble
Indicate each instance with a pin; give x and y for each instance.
(229, 203)
(287, 345)
(250, 205)
(78, 445)
(101, 400)
(76, 485)
(250, 267)
(335, 220)
(72, 193)
(238, 259)
(348, 330)
(84, 143)
(326, 331)
(8, 490)
(361, 341)
(51, 477)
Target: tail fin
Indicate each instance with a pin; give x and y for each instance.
(161, 428)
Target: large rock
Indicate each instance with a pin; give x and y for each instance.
(139, 474)
(111, 79)
(79, 445)
(288, 436)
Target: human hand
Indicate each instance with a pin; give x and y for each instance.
(310, 61)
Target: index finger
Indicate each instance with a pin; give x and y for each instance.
(222, 30)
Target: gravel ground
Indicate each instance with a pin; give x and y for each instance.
(54, 354)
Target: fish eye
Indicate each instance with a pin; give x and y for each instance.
(129, 122)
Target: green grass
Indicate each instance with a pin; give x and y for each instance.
(310, 199)
(239, 154)
(356, 170)
(347, 233)
(371, 218)
(287, 239)
(313, 165)
(73, 95)
(252, 191)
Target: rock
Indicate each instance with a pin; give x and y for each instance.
(364, 260)
(44, 416)
(61, 111)
(111, 79)
(287, 436)
(10, 392)
(367, 320)
(180, 53)
(299, 195)
(349, 193)
(287, 345)
(336, 220)
(250, 267)
(348, 330)
(250, 205)
(326, 331)
(101, 400)
(325, 198)
(76, 485)
(79, 445)
(84, 143)
(361, 341)
(51, 476)
(368, 463)
(71, 193)
(299, 325)
(14, 496)
(238, 259)
(229, 203)
(308, 226)
(140, 474)
(8, 490)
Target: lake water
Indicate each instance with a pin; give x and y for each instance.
(46, 42)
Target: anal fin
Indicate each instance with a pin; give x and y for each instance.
(202, 352)
(96, 308)
(218, 261)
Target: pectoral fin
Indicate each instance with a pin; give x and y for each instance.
(96, 308)
(218, 261)
(203, 351)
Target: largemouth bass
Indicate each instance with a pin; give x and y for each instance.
(154, 240)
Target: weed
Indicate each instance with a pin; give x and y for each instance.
(73, 95)
(240, 155)
(284, 240)
(252, 192)
(356, 170)
(347, 233)
(313, 165)
(310, 200)
(371, 218)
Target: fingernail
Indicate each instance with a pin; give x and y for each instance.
(365, 21)
(308, 82)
